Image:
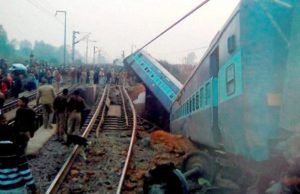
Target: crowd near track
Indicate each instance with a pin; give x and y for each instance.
(101, 166)
(10, 106)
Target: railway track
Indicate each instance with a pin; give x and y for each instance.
(111, 133)
(46, 164)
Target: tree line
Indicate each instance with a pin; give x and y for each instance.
(20, 51)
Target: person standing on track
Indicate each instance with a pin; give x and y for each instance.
(75, 106)
(60, 108)
(46, 96)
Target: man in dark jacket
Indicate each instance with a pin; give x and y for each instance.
(75, 106)
(24, 120)
(60, 108)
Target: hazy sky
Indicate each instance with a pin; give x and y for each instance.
(119, 24)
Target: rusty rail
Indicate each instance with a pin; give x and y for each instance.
(53, 189)
(133, 135)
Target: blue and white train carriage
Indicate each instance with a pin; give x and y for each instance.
(158, 80)
(243, 93)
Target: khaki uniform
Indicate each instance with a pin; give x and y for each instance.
(46, 96)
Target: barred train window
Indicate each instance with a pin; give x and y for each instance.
(207, 93)
(231, 44)
(197, 100)
(230, 80)
(201, 97)
(194, 103)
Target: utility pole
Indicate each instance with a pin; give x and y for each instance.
(123, 54)
(73, 45)
(65, 34)
(99, 56)
(94, 62)
(87, 49)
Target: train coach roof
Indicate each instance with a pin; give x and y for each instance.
(213, 43)
(163, 70)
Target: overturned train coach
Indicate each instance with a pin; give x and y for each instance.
(244, 95)
(163, 85)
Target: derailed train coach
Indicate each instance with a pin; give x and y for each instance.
(157, 79)
(244, 95)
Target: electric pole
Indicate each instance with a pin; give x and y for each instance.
(73, 45)
(94, 62)
(123, 54)
(87, 49)
(65, 35)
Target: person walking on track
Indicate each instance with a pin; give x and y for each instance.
(60, 108)
(75, 106)
(46, 96)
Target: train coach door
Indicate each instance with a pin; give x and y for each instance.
(214, 70)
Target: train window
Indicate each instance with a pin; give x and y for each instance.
(146, 68)
(140, 55)
(142, 64)
(201, 97)
(230, 80)
(194, 101)
(231, 44)
(185, 109)
(207, 93)
(187, 106)
(197, 100)
(190, 105)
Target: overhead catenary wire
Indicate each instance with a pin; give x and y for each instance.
(44, 10)
(174, 24)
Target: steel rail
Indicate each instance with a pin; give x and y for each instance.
(133, 135)
(53, 188)
(124, 107)
(102, 114)
(13, 104)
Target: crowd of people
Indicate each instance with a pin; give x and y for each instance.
(12, 83)
(95, 75)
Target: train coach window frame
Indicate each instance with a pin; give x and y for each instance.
(194, 106)
(207, 93)
(201, 97)
(191, 108)
(231, 44)
(197, 100)
(230, 79)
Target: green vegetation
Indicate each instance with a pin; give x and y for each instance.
(19, 51)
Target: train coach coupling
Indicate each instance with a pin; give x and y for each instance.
(199, 173)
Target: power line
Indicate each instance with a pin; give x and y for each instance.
(173, 25)
(43, 10)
